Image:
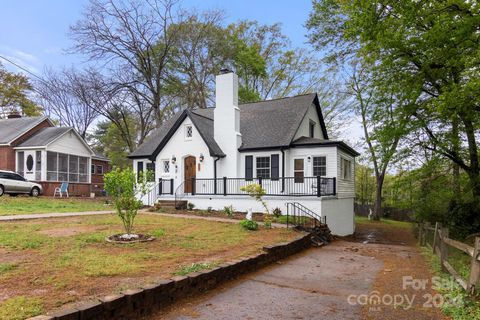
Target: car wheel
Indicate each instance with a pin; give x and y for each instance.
(35, 192)
(2, 191)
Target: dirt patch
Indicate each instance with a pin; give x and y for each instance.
(397, 249)
(68, 231)
(11, 257)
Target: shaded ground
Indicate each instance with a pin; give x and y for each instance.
(325, 283)
(51, 262)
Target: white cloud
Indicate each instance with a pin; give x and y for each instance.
(23, 59)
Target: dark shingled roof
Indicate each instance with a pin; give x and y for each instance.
(151, 143)
(14, 128)
(204, 125)
(307, 141)
(264, 124)
(44, 137)
(273, 123)
(99, 156)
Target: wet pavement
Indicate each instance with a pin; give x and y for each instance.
(315, 284)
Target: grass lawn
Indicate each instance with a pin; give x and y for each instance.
(50, 262)
(393, 223)
(26, 205)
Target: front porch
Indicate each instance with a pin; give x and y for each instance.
(283, 186)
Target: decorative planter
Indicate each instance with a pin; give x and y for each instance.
(120, 238)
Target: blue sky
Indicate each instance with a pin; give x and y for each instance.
(34, 33)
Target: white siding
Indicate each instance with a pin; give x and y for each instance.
(69, 143)
(345, 187)
(303, 130)
(305, 153)
(180, 147)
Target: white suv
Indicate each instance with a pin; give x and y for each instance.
(14, 184)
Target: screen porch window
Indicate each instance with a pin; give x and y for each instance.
(20, 162)
(319, 166)
(263, 167)
(83, 169)
(38, 165)
(299, 170)
(66, 168)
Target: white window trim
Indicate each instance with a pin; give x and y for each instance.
(162, 169)
(326, 164)
(186, 131)
(255, 165)
(350, 175)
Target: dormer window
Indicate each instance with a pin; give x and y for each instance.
(188, 132)
(311, 129)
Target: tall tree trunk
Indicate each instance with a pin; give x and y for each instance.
(456, 168)
(377, 209)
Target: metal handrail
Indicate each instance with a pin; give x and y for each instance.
(178, 195)
(299, 220)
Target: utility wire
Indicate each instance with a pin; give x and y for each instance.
(24, 69)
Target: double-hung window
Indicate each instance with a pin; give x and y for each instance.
(263, 167)
(319, 166)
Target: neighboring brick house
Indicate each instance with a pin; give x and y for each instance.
(39, 151)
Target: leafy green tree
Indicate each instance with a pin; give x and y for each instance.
(109, 140)
(14, 94)
(427, 51)
(123, 187)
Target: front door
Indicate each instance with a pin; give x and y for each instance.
(29, 165)
(189, 166)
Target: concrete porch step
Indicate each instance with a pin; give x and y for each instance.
(171, 203)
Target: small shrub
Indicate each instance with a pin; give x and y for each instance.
(158, 233)
(194, 267)
(249, 224)
(277, 212)
(267, 223)
(229, 211)
(209, 209)
(190, 206)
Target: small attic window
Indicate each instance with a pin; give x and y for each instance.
(188, 131)
(311, 129)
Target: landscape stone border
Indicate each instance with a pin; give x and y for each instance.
(140, 302)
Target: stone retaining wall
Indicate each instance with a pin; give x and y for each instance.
(137, 302)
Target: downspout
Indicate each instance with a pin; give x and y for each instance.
(215, 174)
(283, 170)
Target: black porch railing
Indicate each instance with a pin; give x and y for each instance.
(288, 186)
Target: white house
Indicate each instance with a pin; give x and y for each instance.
(206, 155)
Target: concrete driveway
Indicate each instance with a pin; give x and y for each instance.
(312, 285)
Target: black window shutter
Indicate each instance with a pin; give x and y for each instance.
(249, 167)
(139, 169)
(275, 167)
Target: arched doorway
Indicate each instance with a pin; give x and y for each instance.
(190, 171)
